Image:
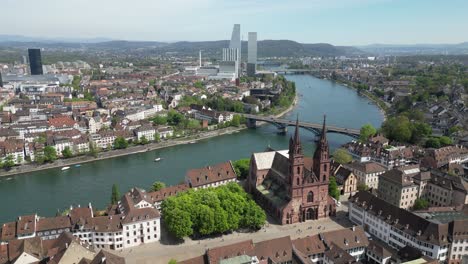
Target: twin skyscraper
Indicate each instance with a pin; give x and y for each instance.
(233, 53)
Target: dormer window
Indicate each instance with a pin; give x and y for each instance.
(206, 177)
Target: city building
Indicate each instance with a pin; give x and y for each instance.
(432, 234)
(252, 54)
(367, 172)
(35, 61)
(291, 187)
(397, 186)
(211, 176)
(235, 43)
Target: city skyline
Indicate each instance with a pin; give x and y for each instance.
(354, 22)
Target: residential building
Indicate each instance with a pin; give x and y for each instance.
(346, 180)
(367, 172)
(165, 132)
(397, 186)
(398, 227)
(211, 176)
(147, 131)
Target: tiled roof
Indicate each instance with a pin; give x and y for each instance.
(215, 255)
(402, 219)
(211, 174)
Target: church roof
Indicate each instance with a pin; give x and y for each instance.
(264, 160)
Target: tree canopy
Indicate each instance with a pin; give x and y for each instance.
(211, 211)
(115, 196)
(401, 129)
(242, 168)
(120, 143)
(67, 153)
(333, 188)
(420, 204)
(367, 131)
(342, 156)
(157, 186)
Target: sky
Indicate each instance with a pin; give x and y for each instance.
(338, 22)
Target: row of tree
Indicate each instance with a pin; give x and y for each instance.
(211, 211)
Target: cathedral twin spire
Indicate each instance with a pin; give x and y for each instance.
(295, 146)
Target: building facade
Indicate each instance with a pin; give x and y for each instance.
(288, 185)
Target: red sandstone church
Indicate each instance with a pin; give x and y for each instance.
(293, 188)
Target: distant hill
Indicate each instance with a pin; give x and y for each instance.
(417, 49)
(266, 48)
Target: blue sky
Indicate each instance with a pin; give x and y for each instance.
(339, 22)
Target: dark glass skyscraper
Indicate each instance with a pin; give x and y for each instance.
(35, 61)
(1, 81)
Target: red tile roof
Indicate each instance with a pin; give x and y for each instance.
(211, 174)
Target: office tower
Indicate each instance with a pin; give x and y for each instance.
(236, 44)
(1, 81)
(35, 61)
(252, 54)
(25, 60)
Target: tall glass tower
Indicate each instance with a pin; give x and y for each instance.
(35, 61)
(252, 54)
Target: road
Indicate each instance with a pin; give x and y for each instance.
(164, 251)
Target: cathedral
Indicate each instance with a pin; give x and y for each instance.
(291, 187)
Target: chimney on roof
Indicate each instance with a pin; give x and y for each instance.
(103, 260)
(353, 228)
(66, 245)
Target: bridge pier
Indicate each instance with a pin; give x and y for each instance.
(251, 123)
(283, 130)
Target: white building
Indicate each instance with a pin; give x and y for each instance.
(398, 227)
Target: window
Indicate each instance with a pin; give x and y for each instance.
(297, 180)
(310, 197)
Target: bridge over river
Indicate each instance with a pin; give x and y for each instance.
(282, 125)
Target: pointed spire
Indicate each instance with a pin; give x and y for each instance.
(296, 133)
(324, 129)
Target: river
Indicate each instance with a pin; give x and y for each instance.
(46, 192)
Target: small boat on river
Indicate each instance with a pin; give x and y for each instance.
(65, 168)
(157, 159)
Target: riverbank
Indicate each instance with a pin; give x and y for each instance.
(366, 94)
(27, 168)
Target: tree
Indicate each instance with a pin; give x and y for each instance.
(157, 137)
(178, 222)
(342, 156)
(367, 131)
(143, 140)
(157, 186)
(160, 120)
(115, 196)
(397, 128)
(9, 162)
(433, 143)
(172, 261)
(242, 168)
(236, 120)
(420, 204)
(211, 211)
(50, 154)
(120, 143)
(362, 187)
(445, 141)
(254, 217)
(67, 153)
(333, 188)
(93, 150)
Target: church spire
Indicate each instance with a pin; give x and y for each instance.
(323, 137)
(295, 141)
(296, 133)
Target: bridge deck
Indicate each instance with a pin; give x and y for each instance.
(350, 131)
